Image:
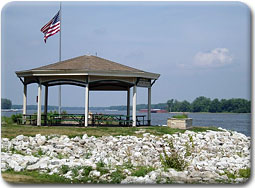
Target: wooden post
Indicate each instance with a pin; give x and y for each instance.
(24, 104)
(45, 104)
(128, 103)
(149, 106)
(39, 104)
(86, 104)
(134, 106)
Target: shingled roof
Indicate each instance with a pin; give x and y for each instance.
(87, 65)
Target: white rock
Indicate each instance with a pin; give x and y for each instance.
(41, 140)
(137, 154)
(68, 175)
(94, 173)
(146, 134)
(145, 147)
(153, 175)
(20, 137)
(18, 168)
(12, 163)
(84, 137)
(41, 164)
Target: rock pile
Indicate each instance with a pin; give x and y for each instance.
(209, 157)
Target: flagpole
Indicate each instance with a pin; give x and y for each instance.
(59, 88)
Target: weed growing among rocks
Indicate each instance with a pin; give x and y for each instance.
(142, 171)
(174, 159)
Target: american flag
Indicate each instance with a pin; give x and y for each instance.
(52, 27)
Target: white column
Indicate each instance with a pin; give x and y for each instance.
(128, 102)
(46, 100)
(59, 99)
(45, 105)
(134, 106)
(39, 104)
(149, 106)
(86, 104)
(24, 103)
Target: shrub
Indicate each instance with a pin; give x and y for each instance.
(15, 117)
(63, 112)
(245, 173)
(6, 120)
(64, 169)
(173, 160)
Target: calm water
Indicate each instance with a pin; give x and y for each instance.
(237, 122)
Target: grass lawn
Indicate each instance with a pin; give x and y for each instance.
(13, 130)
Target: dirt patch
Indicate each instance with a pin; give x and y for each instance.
(16, 178)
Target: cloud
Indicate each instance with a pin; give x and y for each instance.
(217, 57)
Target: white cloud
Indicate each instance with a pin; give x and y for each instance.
(217, 57)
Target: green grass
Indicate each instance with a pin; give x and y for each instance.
(6, 120)
(180, 116)
(13, 130)
(64, 169)
(117, 176)
(101, 168)
(242, 173)
(245, 173)
(142, 171)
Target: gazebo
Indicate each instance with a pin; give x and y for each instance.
(92, 73)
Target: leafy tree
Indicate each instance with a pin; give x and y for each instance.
(6, 103)
(176, 106)
(185, 106)
(170, 104)
(224, 105)
(215, 106)
(201, 104)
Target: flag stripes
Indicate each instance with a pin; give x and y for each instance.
(52, 27)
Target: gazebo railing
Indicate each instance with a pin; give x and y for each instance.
(78, 119)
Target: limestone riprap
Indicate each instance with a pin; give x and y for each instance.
(209, 155)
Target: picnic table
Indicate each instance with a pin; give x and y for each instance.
(78, 119)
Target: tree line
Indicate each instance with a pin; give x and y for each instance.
(204, 104)
(200, 104)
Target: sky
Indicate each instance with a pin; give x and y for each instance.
(198, 48)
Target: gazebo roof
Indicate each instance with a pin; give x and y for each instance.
(87, 65)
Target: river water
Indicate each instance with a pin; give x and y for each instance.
(231, 121)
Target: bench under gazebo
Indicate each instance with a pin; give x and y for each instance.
(94, 74)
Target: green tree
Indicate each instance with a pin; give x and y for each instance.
(215, 106)
(201, 104)
(6, 103)
(238, 106)
(176, 106)
(185, 106)
(170, 104)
